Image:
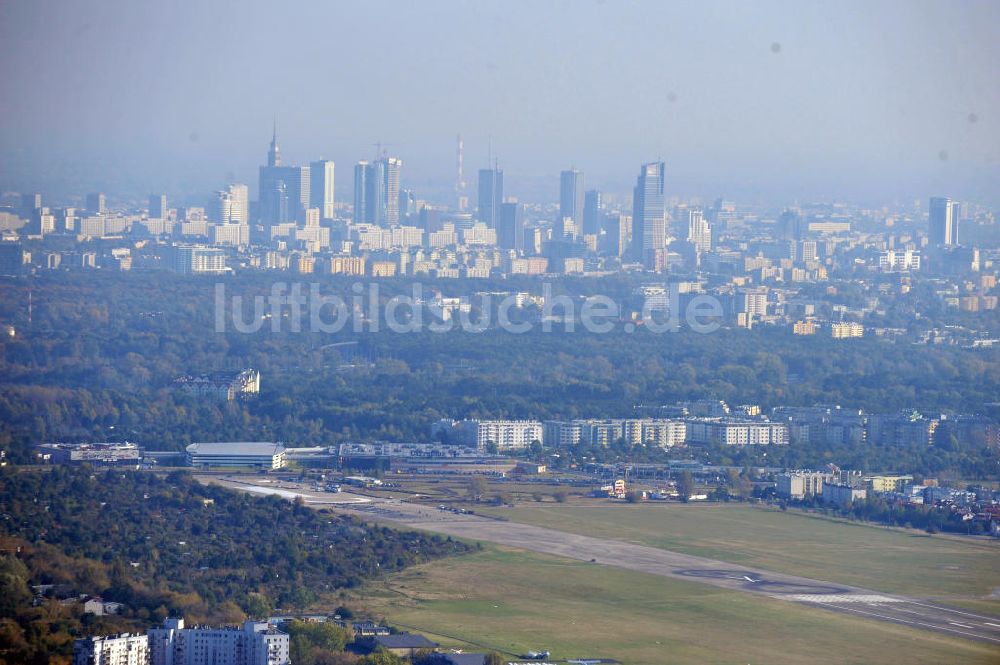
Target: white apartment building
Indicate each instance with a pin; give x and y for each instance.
(846, 330)
(506, 434)
(736, 432)
(123, 649)
(255, 643)
(899, 261)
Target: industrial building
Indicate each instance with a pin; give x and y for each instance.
(253, 454)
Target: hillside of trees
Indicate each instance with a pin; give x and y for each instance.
(170, 546)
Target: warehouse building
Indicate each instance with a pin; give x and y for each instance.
(252, 454)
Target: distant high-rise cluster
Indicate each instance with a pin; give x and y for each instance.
(376, 192)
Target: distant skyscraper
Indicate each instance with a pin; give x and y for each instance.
(230, 205)
(407, 205)
(593, 212)
(460, 197)
(321, 187)
(791, 225)
(387, 170)
(615, 239)
(571, 197)
(157, 206)
(510, 227)
(648, 213)
(363, 210)
(490, 195)
(294, 181)
(699, 232)
(96, 203)
(31, 205)
(376, 191)
(943, 229)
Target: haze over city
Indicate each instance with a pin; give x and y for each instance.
(765, 101)
(499, 332)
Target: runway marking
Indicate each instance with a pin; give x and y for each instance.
(921, 623)
(828, 598)
(995, 625)
(948, 609)
(960, 625)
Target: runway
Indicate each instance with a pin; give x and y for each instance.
(866, 603)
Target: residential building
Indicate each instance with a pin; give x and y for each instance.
(899, 261)
(504, 434)
(199, 260)
(846, 330)
(122, 649)
(842, 495)
(733, 432)
(224, 386)
(699, 231)
(802, 484)
(253, 643)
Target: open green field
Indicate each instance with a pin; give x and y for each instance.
(889, 560)
(515, 601)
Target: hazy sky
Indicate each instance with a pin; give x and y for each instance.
(772, 101)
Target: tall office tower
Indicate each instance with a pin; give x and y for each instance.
(321, 187)
(31, 205)
(571, 197)
(790, 225)
(615, 238)
(407, 205)
(157, 206)
(230, 205)
(295, 180)
(387, 191)
(460, 198)
(96, 204)
(490, 195)
(699, 232)
(649, 226)
(363, 211)
(943, 229)
(510, 227)
(593, 212)
(240, 208)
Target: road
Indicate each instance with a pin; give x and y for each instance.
(866, 603)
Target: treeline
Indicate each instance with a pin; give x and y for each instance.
(876, 509)
(99, 358)
(169, 546)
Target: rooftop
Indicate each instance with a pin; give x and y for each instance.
(236, 448)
